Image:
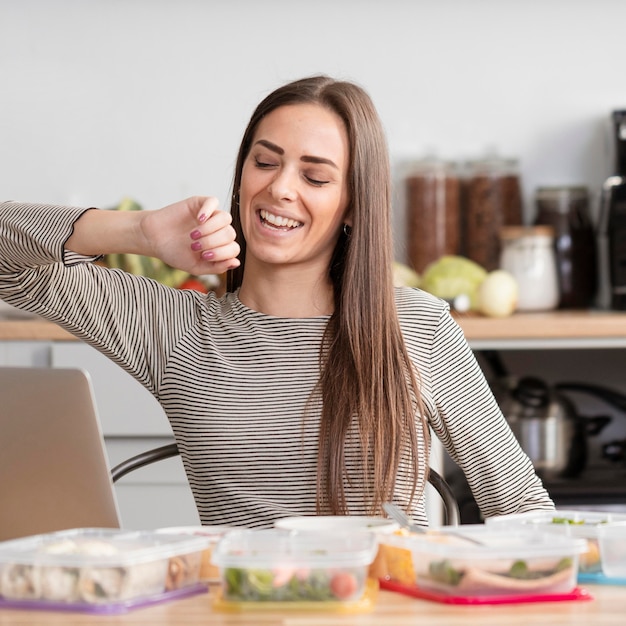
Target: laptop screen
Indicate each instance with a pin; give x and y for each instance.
(54, 471)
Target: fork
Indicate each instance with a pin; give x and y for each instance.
(396, 513)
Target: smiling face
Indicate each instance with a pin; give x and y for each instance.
(293, 195)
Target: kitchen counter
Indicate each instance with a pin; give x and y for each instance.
(607, 607)
(546, 329)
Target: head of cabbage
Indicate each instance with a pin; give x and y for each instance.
(452, 276)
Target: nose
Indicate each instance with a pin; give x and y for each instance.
(284, 185)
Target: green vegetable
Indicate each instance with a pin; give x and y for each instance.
(443, 572)
(565, 520)
(262, 585)
(452, 276)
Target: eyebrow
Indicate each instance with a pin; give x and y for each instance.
(306, 158)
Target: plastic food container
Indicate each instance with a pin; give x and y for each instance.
(518, 563)
(266, 568)
(342, 523)
(208, 571)
(612, 540)
(581, 524)
(98, 569)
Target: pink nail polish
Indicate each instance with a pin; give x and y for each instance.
(201, 217)
(208, 255)
(195, 234)
(196, 245)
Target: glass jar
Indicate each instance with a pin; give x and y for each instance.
(566, 209)
(492, 200)
(528, 254)
(432, 211)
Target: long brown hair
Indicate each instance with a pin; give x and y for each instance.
(367, 385)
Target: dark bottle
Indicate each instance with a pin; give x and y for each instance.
(566, 209)
(612, 224)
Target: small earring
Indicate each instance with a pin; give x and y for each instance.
(347, 230)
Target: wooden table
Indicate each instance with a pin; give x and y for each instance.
(392, 609)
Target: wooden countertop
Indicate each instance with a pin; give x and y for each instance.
(521, 326)
(546, 325)
(608, 606)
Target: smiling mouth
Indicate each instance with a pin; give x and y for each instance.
(277, 222)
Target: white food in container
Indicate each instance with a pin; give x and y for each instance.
(97, 566)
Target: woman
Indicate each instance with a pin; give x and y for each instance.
(310, 387)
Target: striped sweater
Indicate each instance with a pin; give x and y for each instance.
(236, 384)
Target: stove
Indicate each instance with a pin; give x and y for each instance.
(601, 488)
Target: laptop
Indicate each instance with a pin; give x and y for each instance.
(54, 470)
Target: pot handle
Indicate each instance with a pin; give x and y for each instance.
(614, 450)
(596, 424)
(610, 396)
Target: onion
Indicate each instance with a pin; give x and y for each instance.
(497, 294)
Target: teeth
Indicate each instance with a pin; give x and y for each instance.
(277, 220)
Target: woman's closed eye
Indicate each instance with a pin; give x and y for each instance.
(316, 180)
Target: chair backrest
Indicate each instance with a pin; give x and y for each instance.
(452, 515)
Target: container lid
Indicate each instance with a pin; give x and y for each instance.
(98, 547)
(569, 522)
(497, 542)
(275, 547)
(332, 523)
(509, 233)
(561, 199)
(431, 166)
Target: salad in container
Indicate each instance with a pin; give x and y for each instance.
(570, 523)
(519, 562)
(273, 568)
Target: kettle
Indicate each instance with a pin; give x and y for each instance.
(546, 422)
(549, 428)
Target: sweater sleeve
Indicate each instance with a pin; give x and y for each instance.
(474, 431)
(133, 320)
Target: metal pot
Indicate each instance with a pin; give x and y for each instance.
(546, 422)
(549, 428)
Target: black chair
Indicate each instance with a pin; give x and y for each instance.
(452, 515)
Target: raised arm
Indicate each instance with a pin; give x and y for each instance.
(193, 235)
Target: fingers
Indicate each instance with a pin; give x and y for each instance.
(208, 206)
(214, 238)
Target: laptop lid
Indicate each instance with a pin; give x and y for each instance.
(54, 471)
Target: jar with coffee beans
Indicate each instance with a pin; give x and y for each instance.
(432, 211)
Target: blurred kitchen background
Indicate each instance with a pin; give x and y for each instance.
(148, 98)
(106, 99)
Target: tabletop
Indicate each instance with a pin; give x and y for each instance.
(608, 606)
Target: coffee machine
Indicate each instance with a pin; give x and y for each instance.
(612, 218)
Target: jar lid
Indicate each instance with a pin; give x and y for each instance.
(431, 165)
(509, 233)
(493, 166)
(561, 197)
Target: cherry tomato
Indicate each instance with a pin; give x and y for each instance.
(343, 585)
(193, 283)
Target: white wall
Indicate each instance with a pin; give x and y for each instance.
(100, 99)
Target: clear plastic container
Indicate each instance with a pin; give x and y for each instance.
(521, 562)
(208, 571)
(612, 540)
(528, 254)
(270, 567)
(432, 212)
(91, 567)
(578, 524)
(342, 523)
